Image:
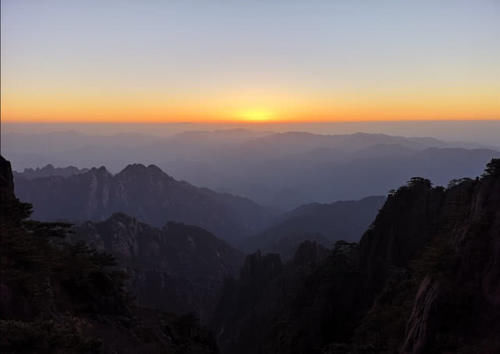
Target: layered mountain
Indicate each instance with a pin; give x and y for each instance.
(178, 268)
(323, 223)
(146, 193)
(61, 297)
(285, 170)
(280, 170)
(423, 279)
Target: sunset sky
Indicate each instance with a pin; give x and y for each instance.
(174, 61)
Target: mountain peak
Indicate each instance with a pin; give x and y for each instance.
(140, 169)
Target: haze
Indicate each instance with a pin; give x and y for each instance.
(277, 165)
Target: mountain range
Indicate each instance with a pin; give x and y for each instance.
(65, 297)
(49, 171)
(146, 193)
(279, 170)
(422, 279)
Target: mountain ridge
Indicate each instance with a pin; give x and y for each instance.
(145, 192)
(324, 223)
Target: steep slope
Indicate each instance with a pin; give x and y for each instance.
(423, 279)
(323, 223)
(59, 297)
(178, 268)
(143, 192)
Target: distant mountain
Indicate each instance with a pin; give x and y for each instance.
(296, 142)
(286, 170)
(61, 297)
(279, 170)
(177, 268)
(423, 279)
(146, 193)
(49, 171)
(323, 223)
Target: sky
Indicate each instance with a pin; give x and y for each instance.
(249, 61)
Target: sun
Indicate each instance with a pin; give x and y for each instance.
(256, 115)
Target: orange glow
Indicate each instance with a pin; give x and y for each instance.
(256, 115)
(66, 106)
(340, 64)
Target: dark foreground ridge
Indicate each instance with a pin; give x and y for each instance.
(425, 278)
(57, 297)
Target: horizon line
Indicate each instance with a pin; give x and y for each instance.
(276, 122)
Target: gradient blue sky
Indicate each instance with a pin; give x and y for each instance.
(249, 60)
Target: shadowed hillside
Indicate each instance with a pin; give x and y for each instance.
(423, 279)
(178, 268)
(59, 297)
(323, 223)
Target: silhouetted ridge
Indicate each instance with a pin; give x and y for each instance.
(48, 171)
(423, 279)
